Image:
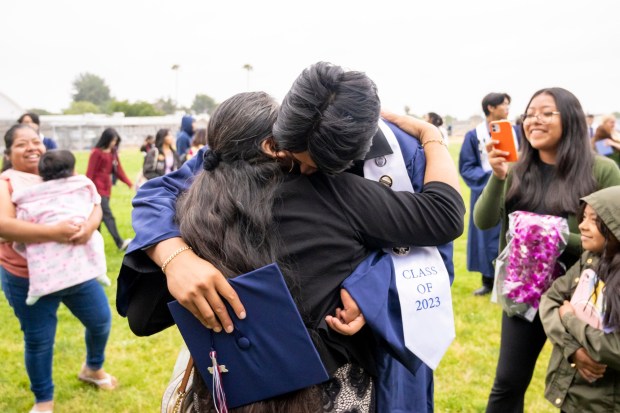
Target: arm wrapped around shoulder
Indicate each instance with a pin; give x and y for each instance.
(385, 218)
(390, 219)
(450, 207)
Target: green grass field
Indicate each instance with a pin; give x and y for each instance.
(143, 365)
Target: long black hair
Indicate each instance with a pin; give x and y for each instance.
(307, 400)
(572, 176)
(106, 137)
(226, 215)
(160, 137)
(608, 271)
(331, 113)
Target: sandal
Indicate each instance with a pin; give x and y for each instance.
(109, 382)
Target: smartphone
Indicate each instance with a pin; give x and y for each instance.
(502, 131)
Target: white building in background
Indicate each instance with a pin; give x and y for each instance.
(9, 109)
(81, 132)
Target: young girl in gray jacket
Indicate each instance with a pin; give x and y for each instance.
(581, 315)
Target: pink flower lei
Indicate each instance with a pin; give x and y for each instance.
(537, 242)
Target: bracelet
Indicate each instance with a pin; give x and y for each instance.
(173, 256)
(440, 141)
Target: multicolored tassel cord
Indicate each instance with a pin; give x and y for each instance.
(219, 397)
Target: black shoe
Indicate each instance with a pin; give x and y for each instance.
(484, 290)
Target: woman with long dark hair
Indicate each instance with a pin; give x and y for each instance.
(161, 159)
(556, 168)
(103, 164)
(319, 226)
(243, 212)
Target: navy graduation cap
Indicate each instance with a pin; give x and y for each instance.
(269, 353)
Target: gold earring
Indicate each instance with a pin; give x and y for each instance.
(292, 166)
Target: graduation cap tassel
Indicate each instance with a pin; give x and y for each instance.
(219, 397)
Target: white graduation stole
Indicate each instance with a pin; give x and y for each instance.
(422, 279)
(482, 132)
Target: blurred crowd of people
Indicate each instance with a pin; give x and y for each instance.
(299, 184)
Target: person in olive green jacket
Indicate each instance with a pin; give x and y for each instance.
(584, 370)
(556, 167)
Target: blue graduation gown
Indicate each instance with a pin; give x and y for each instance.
(482, 245)
(152, 219)
(398, 390)
(402, 389)
(49, 143)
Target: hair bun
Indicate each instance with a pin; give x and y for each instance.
(210, 160)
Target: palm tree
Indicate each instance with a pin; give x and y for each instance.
(175, 68)
(249, 68)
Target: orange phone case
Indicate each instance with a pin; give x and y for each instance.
(502, 131)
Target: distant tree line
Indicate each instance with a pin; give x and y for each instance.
(91, 94)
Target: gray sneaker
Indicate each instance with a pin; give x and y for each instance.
(126, 244)
(484, 290)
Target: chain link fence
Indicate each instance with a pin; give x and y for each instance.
(81, 132)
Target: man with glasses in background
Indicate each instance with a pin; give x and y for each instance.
(475, 170)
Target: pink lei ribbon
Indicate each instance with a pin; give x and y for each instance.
(537, 242)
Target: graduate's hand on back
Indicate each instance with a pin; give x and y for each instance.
(349, 319)
(199, 286)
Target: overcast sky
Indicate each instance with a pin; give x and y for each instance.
(432, 55)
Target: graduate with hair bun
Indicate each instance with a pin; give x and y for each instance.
(327, 222)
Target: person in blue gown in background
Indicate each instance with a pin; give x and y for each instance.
(475, 170)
